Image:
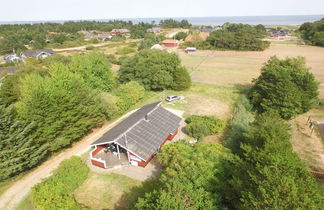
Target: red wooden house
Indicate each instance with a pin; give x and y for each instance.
(136, 139)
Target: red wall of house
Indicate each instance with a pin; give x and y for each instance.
(170, 44)
(99, 148)
(97, 163)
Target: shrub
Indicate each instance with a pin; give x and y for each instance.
(240, 122)
(125, 50)
(128, 95)
(56, 191)
(285, 87)
(89, 47)
(201, 126)
(112, 59)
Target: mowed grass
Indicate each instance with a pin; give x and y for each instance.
(110, 191)
(239, 68)
(201, 99)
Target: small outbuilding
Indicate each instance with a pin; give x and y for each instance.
(120, 31)
(136, 139)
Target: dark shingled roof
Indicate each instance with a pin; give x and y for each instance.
(140, 135)
(34, 53)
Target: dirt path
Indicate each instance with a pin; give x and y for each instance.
(13, 195)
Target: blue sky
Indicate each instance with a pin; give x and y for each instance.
(23, 10)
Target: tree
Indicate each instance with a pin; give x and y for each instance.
(129, 94)
(62, 105)
(239, 37)
(154, 69)
(181, 79)
(181, 35)
(192, 178)
(274, 177)
(94, 69)
(313, 33)
(285, 87)
(18, 151)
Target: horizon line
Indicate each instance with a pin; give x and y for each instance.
(130, 18)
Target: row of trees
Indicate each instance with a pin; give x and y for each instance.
(313, 33)
(17, 36)
(234, 37)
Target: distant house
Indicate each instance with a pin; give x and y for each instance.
(206, 30)
(155, 29)
(201, 36)
(157, 47)
(12, 59)
(137, 138)
(170, 43)
(86, 35)
(38, 54)
(120, 31)
(104, 36)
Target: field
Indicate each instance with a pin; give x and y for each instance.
(234, 69)
(237, 69)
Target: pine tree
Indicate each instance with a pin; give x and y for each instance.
(18, 151)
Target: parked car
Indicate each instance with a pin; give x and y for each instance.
(173, 98)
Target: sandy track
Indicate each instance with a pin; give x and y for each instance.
(13, 195)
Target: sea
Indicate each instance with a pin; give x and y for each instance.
(212, 21)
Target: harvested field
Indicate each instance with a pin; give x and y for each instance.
(235, 68)
(309, 146)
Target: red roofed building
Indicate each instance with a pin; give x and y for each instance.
(170, 43)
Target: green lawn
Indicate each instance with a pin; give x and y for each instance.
(110, 191)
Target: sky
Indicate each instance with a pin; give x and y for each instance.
(36, 10)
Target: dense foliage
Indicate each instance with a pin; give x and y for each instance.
(181, 35)
(171, 23)
(48, 104)
(201, 126)
(239, 123)
(56, 191)
(192, 178)
(269, 175)
(18, 150)
(313, 33)
(150, 40)
(155, 70)
(129, 94)
(63, 106)
(234, 37)
(285, 87)
(94, 69)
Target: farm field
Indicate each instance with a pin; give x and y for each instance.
(237, 69)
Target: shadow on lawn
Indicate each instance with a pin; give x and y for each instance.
(129, 198)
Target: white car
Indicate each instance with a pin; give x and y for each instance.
(173, 98)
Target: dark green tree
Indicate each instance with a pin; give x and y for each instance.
(268, 174)
(18, 151)
(285, 87)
